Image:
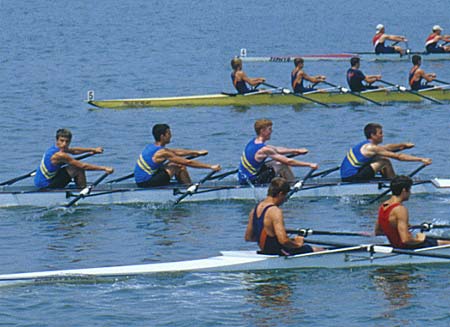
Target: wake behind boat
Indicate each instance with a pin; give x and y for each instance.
(356, 256)
(129, 193)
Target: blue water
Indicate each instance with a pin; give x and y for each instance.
(54, 52)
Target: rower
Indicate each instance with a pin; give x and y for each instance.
(151, 168)
(266, 224)
(380, 37)
(393, 219)
(432, 42)
(298, 76)
(368, 157)
(254, 170)
(52, 174)
(355, 77)
(240, 78)
(416, 74)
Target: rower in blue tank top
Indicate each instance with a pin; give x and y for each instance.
(369, 157)
(254, 170)
(266, 224)
(355, 77)
(157, 164)
(298, 76)
(240, 79)
(416, 75)
(58, 168)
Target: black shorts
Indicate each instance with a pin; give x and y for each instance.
(160, 178)
(365, 173)
(301, 250)
(61, 179)
(264, 176)
(429, 242)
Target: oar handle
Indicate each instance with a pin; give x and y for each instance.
(307, 232)
(426, 227)
(87, 190)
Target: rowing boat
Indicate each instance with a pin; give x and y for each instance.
(265, 99)
(128, 193)
(365, 56)
(232, 261)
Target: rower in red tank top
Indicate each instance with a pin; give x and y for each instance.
(432, 42)
(393, 219)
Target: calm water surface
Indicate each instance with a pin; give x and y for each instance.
(53, 52)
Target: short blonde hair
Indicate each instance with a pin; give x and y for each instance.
(260, 124)
(236, 63)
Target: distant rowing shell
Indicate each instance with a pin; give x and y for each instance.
(264, 99)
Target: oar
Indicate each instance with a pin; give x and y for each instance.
(388, 190)
(307, 232)
(426, 227)
(325, 172)
(194, 187)
(87, 190)
(33, 172)
(436, 237)
(298, 186)
(119, 179)
(387, 250)
(404, 89)
(441, 81)
(345, 90)
(287, 91)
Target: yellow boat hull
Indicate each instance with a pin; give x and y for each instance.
(263, 99)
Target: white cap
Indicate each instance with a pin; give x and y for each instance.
(437, 27)
(380, 27)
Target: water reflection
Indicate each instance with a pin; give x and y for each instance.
(395, 285)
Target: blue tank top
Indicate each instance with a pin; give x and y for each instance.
(145, 166)
(354, 160)
(240, 86)
(267, 244)
(415, 85)
(297, 88)
(46, 170)
(249, 167)
(355, 77)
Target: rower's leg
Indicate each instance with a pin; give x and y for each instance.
(78, 174)
(384, 166)
(180, 172)
(284, 171)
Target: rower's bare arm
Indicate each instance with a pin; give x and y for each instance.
(285, 151)
(378, 230)
(252, 81)
(381, 151)
(291, 162)
(279, 229)
(78, 150)
(396, 38)
(398, 146)
(62, 157)
(402, 217)
(191, 163)
(372, 78)
(187, 152)
(249, 230)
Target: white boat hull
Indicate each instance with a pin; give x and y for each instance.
(233, 261)
(105, 194)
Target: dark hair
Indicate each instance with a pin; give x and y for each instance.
(416, 59)
(399, 183)
(236, 63)
(158, 130)
(64, 132)
(298, 61)
(371, 128)
(354, 61)
(278, 185)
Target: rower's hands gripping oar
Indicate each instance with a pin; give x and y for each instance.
(119, 179)
(426, 227)
(194, 187)
(87, 190)
(404, 89)
(388, 190)
(287, 91)
(298, 185)
(345, 90)
(33, 172)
